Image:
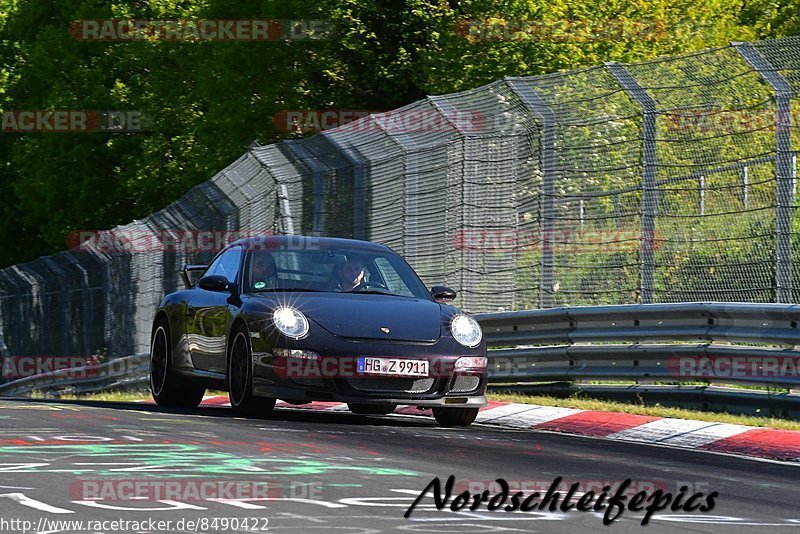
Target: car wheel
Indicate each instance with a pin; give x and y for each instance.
(371, 409)
(166, 388)
(240, 377)
(455, 416)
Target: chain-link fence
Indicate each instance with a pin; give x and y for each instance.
(662, 181)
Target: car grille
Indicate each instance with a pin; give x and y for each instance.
(465, 383)
(391, 385)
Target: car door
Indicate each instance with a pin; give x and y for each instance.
(208, 314)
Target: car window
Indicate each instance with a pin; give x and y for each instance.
(391, 278)
(321, 269)
(227, 264)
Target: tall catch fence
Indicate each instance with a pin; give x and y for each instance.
(671, 180)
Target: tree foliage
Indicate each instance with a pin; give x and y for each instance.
(208, 100)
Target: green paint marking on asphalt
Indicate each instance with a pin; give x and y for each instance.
(313, 467)
(174, 460)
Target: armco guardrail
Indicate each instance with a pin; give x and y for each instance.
(685, 342)
(120, 373)
(711, 342)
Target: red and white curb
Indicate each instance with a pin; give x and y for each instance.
(682, 433)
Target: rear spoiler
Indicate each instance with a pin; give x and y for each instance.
(185, 272)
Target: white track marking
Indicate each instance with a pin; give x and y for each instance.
(24, 500)
(523, 415)
(679, 432)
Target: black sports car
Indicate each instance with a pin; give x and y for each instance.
(316, 319)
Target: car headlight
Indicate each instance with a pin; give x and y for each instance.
(466, 330)
(290, 322)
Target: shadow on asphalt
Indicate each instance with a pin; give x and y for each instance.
(292, 414)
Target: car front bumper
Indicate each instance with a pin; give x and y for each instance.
(303, 395)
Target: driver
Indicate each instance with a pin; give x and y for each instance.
(351, 276)
(265, 272)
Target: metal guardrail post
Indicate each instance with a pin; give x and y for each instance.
(286, 208)
(701, 199)
(783, 165)
(86, 301)
(539, 108)
(745, 180)
(357, 164)
(468, 261)
(411, 185)
(62, 301)
(318, 172)
(649, 183)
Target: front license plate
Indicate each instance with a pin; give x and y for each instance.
(392, 366)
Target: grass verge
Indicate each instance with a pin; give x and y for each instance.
(117, 396)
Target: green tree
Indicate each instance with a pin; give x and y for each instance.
(209, 100)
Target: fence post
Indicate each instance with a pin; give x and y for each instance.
(649, 184)
(411, 209)
(536, 105)
(358, 166)
(783, 166)
(318, 172)
(745, 179)
(701, 184)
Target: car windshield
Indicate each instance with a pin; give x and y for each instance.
(334, 269)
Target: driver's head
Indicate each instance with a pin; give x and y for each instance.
(351, 274)
(263, 266)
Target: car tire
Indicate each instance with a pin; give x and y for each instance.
(455, 416)
(371, 409)
(167, 389)
(240, 377)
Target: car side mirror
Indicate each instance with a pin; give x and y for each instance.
(214, 282)
(442, 293)
(186, 269)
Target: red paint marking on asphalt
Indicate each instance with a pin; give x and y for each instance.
(594, 423)
(316, 405)
(493, 404)
(82, 416)
(215, 401)
(413, 410)
(15, 442)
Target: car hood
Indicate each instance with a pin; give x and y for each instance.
(351, 315)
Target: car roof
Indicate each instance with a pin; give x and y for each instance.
(267, 242)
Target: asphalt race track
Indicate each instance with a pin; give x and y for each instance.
(342, 473)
